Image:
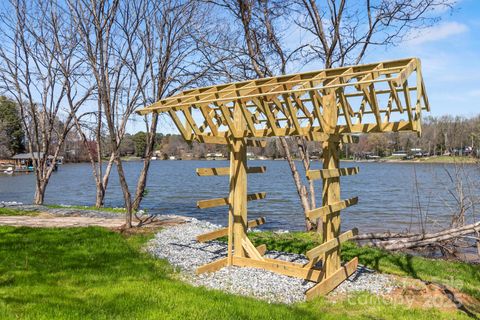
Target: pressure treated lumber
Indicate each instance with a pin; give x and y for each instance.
(328, 209)
(220, 263)
(225, 171)
(331, 106)
(224, 231)
(217, 202)
(262, 249)
(331, 244)
(280, 105)
(331, 186)
(331, 173)
(219, 139)
(251, 250)
(332, 281)
(212, 266)
(278, 266)
(239, 197)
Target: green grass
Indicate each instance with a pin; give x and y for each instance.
(449, 159)
(15, 212)
(106, 209)
(463, 276)
(93, 273)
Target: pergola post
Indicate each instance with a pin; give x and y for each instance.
(238, 196)
(330, 195)
(331, 185)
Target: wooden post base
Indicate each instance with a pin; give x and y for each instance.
(291, 269)
(330, 283)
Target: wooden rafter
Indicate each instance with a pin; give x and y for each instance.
(271, 106)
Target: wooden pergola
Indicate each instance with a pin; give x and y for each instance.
(330, 106)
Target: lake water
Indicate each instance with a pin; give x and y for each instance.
(389, 196)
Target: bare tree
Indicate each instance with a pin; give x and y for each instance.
(259, 50)
(168, 41)
(108, 53)
(34, 35)
(138, 52)
(342, 32)
(339, 33)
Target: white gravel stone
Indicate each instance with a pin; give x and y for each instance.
(178, 245)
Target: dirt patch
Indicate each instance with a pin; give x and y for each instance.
(48, 220)
(425, 294)
(45, 220)
(415, 293)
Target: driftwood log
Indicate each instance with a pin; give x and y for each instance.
(397, 241)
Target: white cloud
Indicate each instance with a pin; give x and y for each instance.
(437, 32)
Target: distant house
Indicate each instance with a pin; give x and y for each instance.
(187, 156)
(399, 153)
(24, 161)
(416, 152)
(215, 156)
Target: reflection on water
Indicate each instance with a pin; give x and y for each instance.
(388, 198)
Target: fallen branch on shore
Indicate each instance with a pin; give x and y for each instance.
(399, 241)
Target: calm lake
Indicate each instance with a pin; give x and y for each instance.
(389, 193)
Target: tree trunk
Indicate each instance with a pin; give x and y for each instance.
(103, 183)
(141, 184)
(142, 179)
(126, 193)
(301, 189)
(419, 240)
(39, 192)
(100, 195)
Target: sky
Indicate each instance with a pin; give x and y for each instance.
(450, 55)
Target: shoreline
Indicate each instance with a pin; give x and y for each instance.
(426, 160)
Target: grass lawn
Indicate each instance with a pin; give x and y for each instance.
(449, 159)
(16, 212)
(463, 276)
(93, 273)
(106, 209)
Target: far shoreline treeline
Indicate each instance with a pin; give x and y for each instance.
(441, 136)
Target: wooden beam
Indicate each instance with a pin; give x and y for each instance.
(331, 173)
(251, 250)
(333, 280)
(373, 127)
(225, 171)
(330, 186)
(183, 131)
(330, 244)
(227, 89)
(405, 73)
(262, 249)
(206, 138)
(212, 266)
(282, 267)
(328, 209)
(224, 231)
(220, 263)
(203, 138)
(217, 202)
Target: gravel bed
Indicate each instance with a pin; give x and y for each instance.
(178, 245)
(64, 211)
